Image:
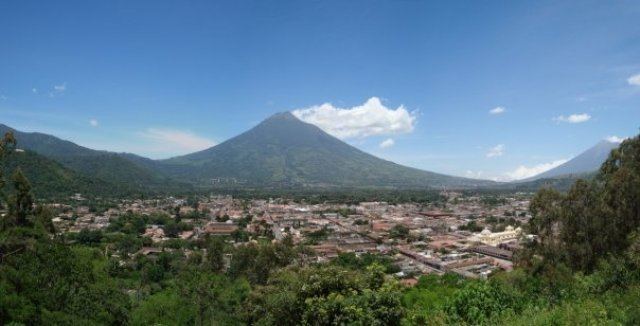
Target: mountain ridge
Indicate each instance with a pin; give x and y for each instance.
(122, 171)
(280, 152)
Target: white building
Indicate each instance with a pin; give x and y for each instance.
(494, 239)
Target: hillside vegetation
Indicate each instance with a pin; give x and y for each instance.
(583, 269)
(110, 173)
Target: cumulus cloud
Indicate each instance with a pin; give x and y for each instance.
(497, 110)
(387, 143)
(93, 123)
(574, 118)
(177, 141)
(615, 139)
(523, 172)
(496, 151)
(369, 119)
(634, 80)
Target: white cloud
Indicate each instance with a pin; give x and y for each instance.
(58, 90)
(634, 80)
(177, 141)
(369, 119)
(574, 118)
(523, 172)
(615, 139)
(483, 176)
(387, 143)
(496, 151)
(474, 174)
(497, 110)
(93, 123)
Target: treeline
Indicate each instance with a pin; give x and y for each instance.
(595, 219)
(339, 196)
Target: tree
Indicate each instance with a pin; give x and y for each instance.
(7, 145)
(479, 302)
(21, 202)
(399, 231)
(164, 308)
(213, 297)
(595, 218)
(215, 254)
(325, 295)
(89, 237)
(172, 229)
(471, 226)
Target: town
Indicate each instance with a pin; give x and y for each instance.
(470, 235)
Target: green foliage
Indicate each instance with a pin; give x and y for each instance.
(47, 279)
(316, 236)
(89, 237)
(399, 231)
(471, 226)
(255, 262)
(50, 179)
(360, 222)
(429, 296)
(215, 254)
(21, 202)
(129, 223)
(594, 218)
(492, 200)
(354, 262)
(325, 295)
(61, 167)
(164, 308)
(481, 302)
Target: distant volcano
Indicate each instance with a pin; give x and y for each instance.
(283, 150)
(588, 161)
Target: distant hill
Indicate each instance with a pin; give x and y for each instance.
(125, 173)
(588, 161)
(49, 178)
(283, 151)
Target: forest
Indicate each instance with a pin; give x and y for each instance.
(582, 268)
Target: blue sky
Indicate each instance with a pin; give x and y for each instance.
(422, 76)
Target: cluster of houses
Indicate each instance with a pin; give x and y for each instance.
(420, 238)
